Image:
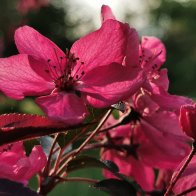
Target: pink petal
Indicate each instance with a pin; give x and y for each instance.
(166, 123)
(156, 153)
(106, 85)
(152, 52)
(37, 156)
(160, 157)
(66, 107)
(106, 13)
(143, 174)
(131, 167)
(132, 51)
(170, 102)
(31, 42)
(15, 165)
(159, 79)
(102, 47)
(18, 79)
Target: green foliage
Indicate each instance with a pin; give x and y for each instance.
(180, 40)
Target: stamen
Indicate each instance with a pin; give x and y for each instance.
(59, 63)
(52, 74)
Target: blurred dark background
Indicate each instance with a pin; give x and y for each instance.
(174, 21)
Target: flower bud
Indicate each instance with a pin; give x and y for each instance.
(188, 120)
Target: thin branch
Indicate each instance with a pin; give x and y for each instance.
(179, 173)
(77, 151)
(187, 191)
(79, 179)
(47, 167)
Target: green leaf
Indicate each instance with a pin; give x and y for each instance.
(29, 144)
(62, 139)
(116, 187)
(115, 114)
(87, 161)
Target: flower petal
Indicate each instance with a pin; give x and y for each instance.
(66, 107)
(170, 102)
(132, 51)
(102, 47)
(37, 156)
(188, 178)
(31, 42)
(111, 84)
(152, 53)
(18, 79)
(131, 167)
(106, 13)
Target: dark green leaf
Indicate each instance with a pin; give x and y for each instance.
(86, 162)
(116, 187)
(62, 139)
(29, 144)
(11, 188)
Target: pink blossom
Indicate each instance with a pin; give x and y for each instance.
(187, 180)
(188, 120)
(126, 156)
(147, 60)
(91, 72)
(140, 147)
(16, 166)
(24, 6)
(152, 57)
(160, 126)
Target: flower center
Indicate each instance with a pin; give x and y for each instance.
(147, 58)
(63, 72)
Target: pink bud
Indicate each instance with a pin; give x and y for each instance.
(188, 120)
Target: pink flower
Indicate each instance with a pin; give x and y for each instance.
(92, 72)
(148, 59)
(188, 120)
(139, 147)
(16, 166)
(159, 126)
(127, 157)
(152, 57)
(187, 180)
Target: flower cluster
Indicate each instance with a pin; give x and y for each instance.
(108, 68)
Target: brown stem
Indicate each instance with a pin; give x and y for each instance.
(77, 151)
(63, 149)
(47, 167)
(187, 191)
(179, 173)
(79, 179)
